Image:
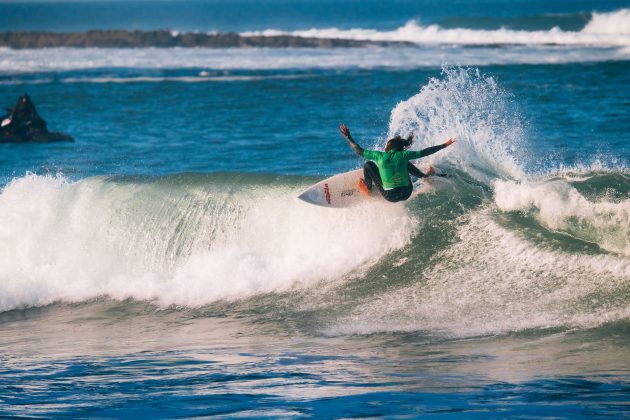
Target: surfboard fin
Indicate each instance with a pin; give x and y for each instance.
(362, 187)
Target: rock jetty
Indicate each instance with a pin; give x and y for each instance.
(168, 39)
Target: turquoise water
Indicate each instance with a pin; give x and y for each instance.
(161, 266)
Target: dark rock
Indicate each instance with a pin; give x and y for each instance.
(166, 39)
(24, 124)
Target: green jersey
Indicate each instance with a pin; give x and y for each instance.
(392, 165)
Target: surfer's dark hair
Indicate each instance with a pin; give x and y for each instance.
(398, 143)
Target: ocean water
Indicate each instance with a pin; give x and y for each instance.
(161, 265)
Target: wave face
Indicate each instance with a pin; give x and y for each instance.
(491, 249)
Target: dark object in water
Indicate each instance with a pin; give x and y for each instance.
(24, 124)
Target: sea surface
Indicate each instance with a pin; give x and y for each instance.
(162, 266)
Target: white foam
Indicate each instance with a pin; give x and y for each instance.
(72, 241)
(559, 206)
(64, 59)
(492, 281)
(181, 79)
(604, 29)
(615, 23)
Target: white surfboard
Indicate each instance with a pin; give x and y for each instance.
(341, 190)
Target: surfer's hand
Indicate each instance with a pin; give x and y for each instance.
(410, 137)
(449, 141)
(344, 130)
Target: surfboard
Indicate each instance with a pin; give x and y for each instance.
(340, 190)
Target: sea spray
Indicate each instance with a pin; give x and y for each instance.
(473, 109)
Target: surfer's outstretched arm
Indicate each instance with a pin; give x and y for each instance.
(413, 170)
(430, 150)
(345, 131)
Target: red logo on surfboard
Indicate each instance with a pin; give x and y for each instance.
(327, 193)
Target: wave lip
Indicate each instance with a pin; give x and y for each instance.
(473, 109)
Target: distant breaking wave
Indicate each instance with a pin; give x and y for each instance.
(603, 29)
(604, 37)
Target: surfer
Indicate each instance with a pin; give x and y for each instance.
(390, 169)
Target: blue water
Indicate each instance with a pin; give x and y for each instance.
(247, 15)
(161, 266)
(209, 127)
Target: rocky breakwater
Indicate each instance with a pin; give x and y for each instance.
(168, 39)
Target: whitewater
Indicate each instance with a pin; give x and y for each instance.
(603, 29)
(544, 240)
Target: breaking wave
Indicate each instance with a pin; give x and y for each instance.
(184, 240)
(519, 250)
(603, 29)
(489, 250)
